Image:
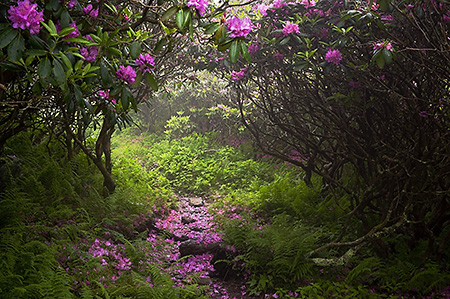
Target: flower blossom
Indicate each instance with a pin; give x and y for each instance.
(308, 3)
(333, 56)
(144, 61)
(126, 74)
(290, 28)
(89, 53)
(89, 10)
(239, 27)
(25, 16)
(385, 45)
(262, 8)
(200, 5)
(238, 75)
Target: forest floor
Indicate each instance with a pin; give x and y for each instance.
(194, 249)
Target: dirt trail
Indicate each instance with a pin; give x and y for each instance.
(195, 246)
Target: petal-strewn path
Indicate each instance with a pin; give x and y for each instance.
(186, 240)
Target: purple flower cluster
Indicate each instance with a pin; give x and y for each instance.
(290, 28)
(239, 27)
(90, 11)
(385, 45)
(145, 61)
(200, 5)
(126, 74)
(26, 16)
(333, 56)
(235, 76)
(89, 53)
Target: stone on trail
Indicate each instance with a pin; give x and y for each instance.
(196, 201)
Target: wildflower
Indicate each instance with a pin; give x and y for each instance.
(25, 16)
(200, 5)
(126, 74)
(423, 114)
(308, 3)
(290, 28)
(278, 3)
(144, 61)
(253, 48)
(333, 56)
(103, 94)
(89, 10)
(278, 56)
(383, 45)
(89, 53)
(262, 8)
(239, 27)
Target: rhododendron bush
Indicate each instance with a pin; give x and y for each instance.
(360, 90)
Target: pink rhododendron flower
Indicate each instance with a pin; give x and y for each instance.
(290, 28)
(144, 62)
(278, 3)
(386, 45)
(239, 27)
(262, 8)
(308, 3)
(200, 5)
(104, 94)
(278, 56)
(237, 75)
(89, 10)
(126, 74)
(25, 16)
(89, 53)
(333, 56)
(253, 48)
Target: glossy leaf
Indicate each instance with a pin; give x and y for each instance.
(58, 71)
(234, 51)
(44, 68)
(169, 13)
(152, 81)
(135, 50)
(16, 48)
(7, 36)
(387, 55)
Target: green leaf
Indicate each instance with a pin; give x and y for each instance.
(65, 19)
(66, 31)
(79, 40)
(380, 61)
(51, 28)
(16, 48)
(160, 44)
(35, 52)
(106, 76)
(152, 81)
(66, 61)
(234, 51)
(44, 68)
(285, 40)
(245, 53)
(58, 72)
(114, 51)
(7, 36)
(125, 98)
(169, 13)
(211, 28)
(180, 19)
(387, 55)
(135, 50)
(78, 95)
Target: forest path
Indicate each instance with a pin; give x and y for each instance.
(194, 246)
